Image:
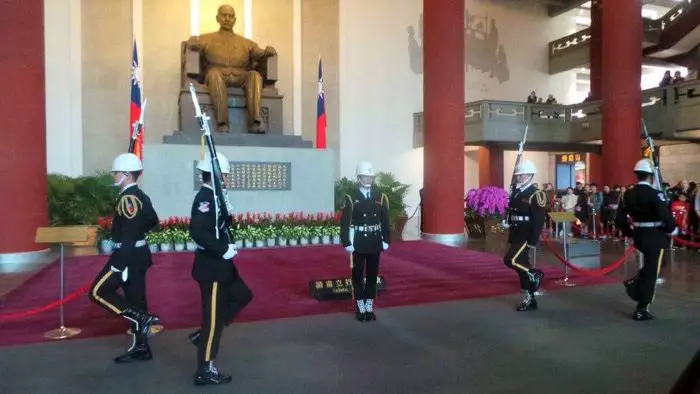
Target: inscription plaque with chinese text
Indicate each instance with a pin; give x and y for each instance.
(251, 175)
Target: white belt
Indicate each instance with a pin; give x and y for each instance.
(519, 218)
(368, 228)
(647, 224)
(137, 244)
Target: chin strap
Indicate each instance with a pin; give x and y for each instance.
(123, 178)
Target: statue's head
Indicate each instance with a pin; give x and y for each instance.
(226, 17)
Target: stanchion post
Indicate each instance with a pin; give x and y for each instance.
(61, 236)
(565, 218)
(595, 225)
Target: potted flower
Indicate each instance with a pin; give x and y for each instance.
(270, 236)
(335, 232)
(236, 237)
(315, 233)
(191, 246)
(283, 234)
(153, 238)
(293, 235)
(166, 240)
(304, 234)
(326, 234)
(104, 234)
(245, 236)
(179, 238)
(258, 236)
(484, 207)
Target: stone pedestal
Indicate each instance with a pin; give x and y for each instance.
(273, 180)
(583, 253)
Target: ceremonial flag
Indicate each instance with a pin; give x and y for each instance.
(320, 110)
(136, 103)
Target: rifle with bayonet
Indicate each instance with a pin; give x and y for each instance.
(653, 157)
(221, 205)
(518, 159)
(513, 180)
(137, 128)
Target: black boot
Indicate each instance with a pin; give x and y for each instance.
(139, 351)
(142, 320)
(209, 374)
(642, 314)
(194, 337)
(632, 288)
(360, 313)
(535, 276)
(369, 315)
(528, 303)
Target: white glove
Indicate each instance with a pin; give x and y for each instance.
(231, 252)
(674, 232)
(385, 245)
(505, 224)
(124, 273)
(350, 249)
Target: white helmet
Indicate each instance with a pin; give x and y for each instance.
(127, 162)
(205, 165)
(365, 169)
(525, 167)
(644, 166)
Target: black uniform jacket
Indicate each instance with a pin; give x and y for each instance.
(209, 263)
(526, 215)
(369, 220)
(134, 216)
(645, 204)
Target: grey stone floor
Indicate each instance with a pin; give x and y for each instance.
(580, 341)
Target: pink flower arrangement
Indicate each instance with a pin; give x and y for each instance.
(486, 201)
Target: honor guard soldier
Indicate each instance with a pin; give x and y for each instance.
(526, 216)
(223, 292)
(134, 216)
(650, 223)
(364, 232)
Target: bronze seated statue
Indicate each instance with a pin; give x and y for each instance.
(193, 69)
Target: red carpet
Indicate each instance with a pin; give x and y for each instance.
(416, 272)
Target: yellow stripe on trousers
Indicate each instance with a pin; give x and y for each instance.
(516, 255)
(658, 271)
(212, 321)
(101, 300)
(352, 287)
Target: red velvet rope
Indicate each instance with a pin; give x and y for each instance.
(598, 272)
(52, 305)
(686, 243)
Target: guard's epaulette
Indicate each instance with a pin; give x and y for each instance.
(541, 198)
(385, 199)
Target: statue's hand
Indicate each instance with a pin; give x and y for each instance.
(270, 51)
(194, 44)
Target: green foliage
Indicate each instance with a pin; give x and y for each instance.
(81, 200)
(386, 183)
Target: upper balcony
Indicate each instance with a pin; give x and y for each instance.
(671, 114)
(675, 32)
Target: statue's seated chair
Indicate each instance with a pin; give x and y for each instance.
(192, 70)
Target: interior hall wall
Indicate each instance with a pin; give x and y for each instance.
(381, 76)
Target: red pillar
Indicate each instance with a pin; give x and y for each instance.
(23, 202)
(622, 95)
(595, 169)
(490, 166)
(595, 54)
(443, 106)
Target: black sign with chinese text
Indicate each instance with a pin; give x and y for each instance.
(571, 158)
(338, 288)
